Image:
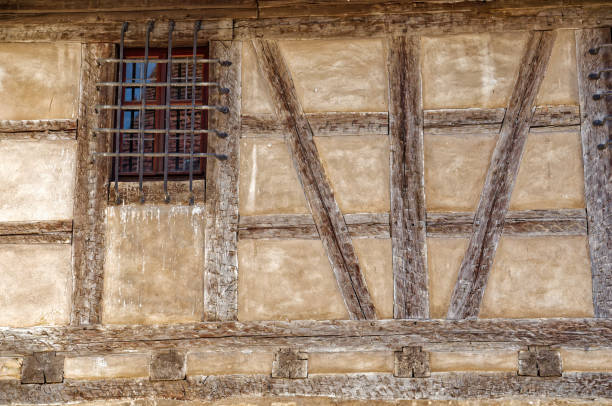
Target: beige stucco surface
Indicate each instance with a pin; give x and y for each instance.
(293, 279)
(38, 179)
(338, 75)
(539, 277)
(560, 85)
(268, 181)
(228, 363)
(10, 368)
(350, 362)
(455, 170)
(35, 284)
(358, 171)
(329, 75)
(580, 360)
(286, 279)
(531, 277)
(480, 70)
(491, 361)
(153, 265)
(107, 366)
(52, 69)
(551, 174)
(375, 260)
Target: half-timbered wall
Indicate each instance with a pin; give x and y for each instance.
(359, 170)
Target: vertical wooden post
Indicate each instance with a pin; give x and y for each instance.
(597, 162)
(411, 299)
(221, 234)
(91, 187)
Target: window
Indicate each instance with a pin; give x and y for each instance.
(177, 120)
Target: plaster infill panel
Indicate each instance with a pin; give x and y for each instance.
(531, 277)
(455, 170)
(490, 361)
(38, 179)
(35, 285)
(560, 85)
(358, 171)
(534, 277)
(107, 366)
(10, 368)
(350, 362)
(229, 363)
(153, 266)
(41, 81)
(375, 260)
(589, 361)
(269, 183)
(329, 75)
(551, 173)
(286, 280)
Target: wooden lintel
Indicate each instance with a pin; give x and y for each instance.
(320, 197)
(454, 121)
(91, 188)
(221, 233)
(313, 336)
(439, 386)
(501, 176)
(129, 192)
(597, 163)
(407, 219)
(376, 225)
(36, 232)
(38, 129)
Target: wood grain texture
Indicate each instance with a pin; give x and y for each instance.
(325, 211)
(439, 386)
(451, 224)
(597, 166)
(290, 364)
(452, 21)
(43, 367)
(154, 192)
(313, 336)
(76, 6)
(501, 175)
(411, 362)
(36, 232)
(221, 233)
(64, 129)
(91, 188)
(167, 366)
(410, 290)
(469, 121)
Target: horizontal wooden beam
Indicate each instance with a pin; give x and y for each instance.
(426, 23)
(38, 129)
(438, 386)
(36, 232)
(129, 192)
(444, 121)
(376, 225)
(311, 335)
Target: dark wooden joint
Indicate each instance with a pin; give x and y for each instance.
(411, 362)
(168, 366)
(43, 367)
(539, 361)
(289, 363)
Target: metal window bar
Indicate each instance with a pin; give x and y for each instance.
(139, 133)
(600, 94)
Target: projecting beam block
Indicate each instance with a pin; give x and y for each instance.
(289, 363)
(539, 361)
(43, 367)
(411, 362)
(168, 366)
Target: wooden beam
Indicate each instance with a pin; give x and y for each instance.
(325, 211)
(129, 192)
(313, 336)
(221, 233)
(38, 129)
(410, 291)
(597, 164)
(501, 175)
(36, 232)
(445, 121)
(376, 225)
(439, 386)
(425, 23)
(91, 188)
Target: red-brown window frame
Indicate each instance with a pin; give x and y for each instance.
(158, 143)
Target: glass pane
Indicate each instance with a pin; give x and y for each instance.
(182, 142)
(134, 73)
(182, 73)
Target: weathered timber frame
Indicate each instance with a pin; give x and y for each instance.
(228, 24)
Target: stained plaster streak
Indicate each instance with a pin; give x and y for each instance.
(153, 270)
